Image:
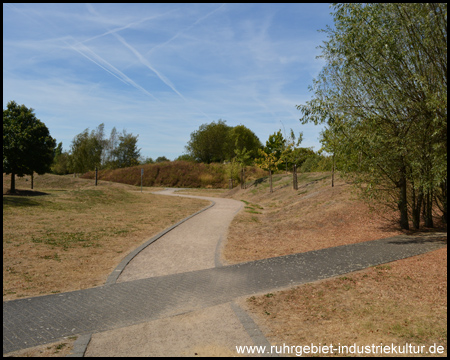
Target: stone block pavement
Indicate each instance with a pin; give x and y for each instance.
(44, 319)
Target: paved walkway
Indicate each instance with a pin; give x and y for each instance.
(207, 292)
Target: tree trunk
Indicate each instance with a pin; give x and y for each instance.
(402, 202)
(416, 207)
(332, 174)
(428, 210)
(32, 180)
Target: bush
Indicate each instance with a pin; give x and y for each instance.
(175, 174)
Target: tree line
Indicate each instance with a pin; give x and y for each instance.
(90, 150)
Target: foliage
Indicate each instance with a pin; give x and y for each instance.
(91, 150)
(27, 144)
(174, 174)
(60, 165)
(126, 153)
(86, 151)
(383, 96)
(161, 159)
(216, 142)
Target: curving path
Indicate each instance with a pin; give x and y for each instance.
(192, 245)
(174, 298)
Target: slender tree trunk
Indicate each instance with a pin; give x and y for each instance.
(32, 180)
(416, 207)
(429, 209)
(332, 173)
(402, 202)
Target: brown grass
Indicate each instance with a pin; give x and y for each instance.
(314, 217)
(73, 237)
(403, 302)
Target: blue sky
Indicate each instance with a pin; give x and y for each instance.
(162, 70)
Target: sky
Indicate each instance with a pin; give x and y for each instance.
(161, 70)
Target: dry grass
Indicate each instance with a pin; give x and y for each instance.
(314, 217)
(56, 349)
(75, 235)
(403, 302)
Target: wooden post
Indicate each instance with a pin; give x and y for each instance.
(96, 173)
(32, 180)
(332, 174)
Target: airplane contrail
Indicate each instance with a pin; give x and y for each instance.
(184, 30)
(146, 63)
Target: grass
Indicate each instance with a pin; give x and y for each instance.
(404, 302)
(73, 236)
(401, 302)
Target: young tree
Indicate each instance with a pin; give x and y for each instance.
(268, 161)
(27, 144)
(243, 158)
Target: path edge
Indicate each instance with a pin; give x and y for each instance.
(112, 278)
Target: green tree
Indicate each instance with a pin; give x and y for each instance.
(161, 159)
(208, 144)
(216, 142)
(86, 151)
(60, 165)
(243, 158)
(127, 154)
(268, 161)
(27, 144)
(383, 95)
(241, 137)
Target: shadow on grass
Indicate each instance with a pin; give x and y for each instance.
(22, 198)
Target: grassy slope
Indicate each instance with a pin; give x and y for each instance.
(401, 302)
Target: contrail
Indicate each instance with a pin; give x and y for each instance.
(126, 26)
(184, 30)
(145, 62)
(118, 74)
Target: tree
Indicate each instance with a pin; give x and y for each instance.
(86, 151)
(268, 161)
(61, 160)
(127, 154)
(216, 142)
(27, 144)
(108, 155)
(241, 137)
(383, 95)
(243, 158)
(208, 143)
(161, 159)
